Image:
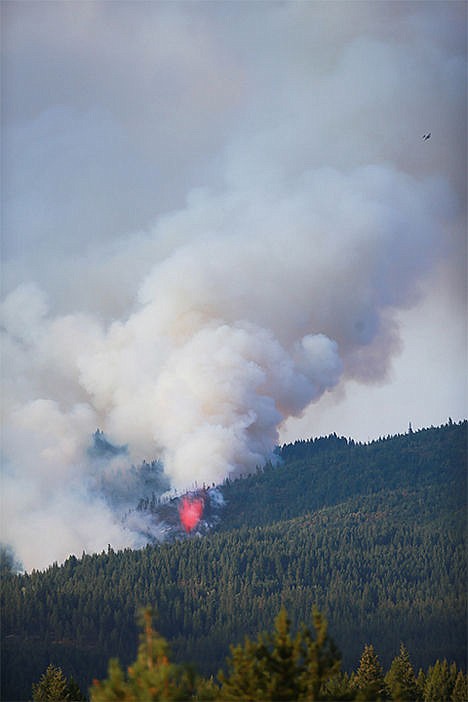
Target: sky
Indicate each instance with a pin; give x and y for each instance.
(221, 230)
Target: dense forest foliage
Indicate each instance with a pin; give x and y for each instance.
(327, 471)
(373, 534)
(281, 665)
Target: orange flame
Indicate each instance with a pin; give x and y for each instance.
(191, 510)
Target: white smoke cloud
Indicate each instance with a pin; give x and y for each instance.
(206, 234)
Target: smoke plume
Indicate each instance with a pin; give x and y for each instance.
(190, 272)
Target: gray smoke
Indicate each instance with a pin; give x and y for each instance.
(206, 231)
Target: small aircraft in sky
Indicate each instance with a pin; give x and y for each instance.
(426, 136)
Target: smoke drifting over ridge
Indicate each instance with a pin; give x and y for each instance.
(237, 244)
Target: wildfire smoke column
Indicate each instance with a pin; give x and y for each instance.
(191, 274)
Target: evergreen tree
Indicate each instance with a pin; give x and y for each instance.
(421, 683)
(438, 685)
(206, 690)
(460, 688)
(152, 677)
(54, 687)
(401, 680)
(322, 660)
(280, 653)
(338, 688)
(265, 669)
(278, 667)
(74, 692)
(369, 680)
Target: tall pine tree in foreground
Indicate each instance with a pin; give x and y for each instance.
(54, 687)
(401, 679)
(460, 688)
(151, 678)
(369, 680)
(280, 667)
(440, 682)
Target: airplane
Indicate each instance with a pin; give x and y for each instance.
(426, 136)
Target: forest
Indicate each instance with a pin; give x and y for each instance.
(373, 535)
(281, 665)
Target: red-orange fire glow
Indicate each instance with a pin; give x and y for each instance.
(191, 510)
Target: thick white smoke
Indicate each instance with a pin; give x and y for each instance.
(194, 340)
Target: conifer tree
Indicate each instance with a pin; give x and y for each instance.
(369, 680)
(338, 688)
(152, 677)
(54, 687)
(322, 660)
(438, 685)
(279, 667)
(247, 676)
(421, 683)
(460, 688)
(401, 680)
(74, 691)
(206, 690)
(265, 669)
(280, 653)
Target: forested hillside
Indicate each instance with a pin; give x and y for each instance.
(327, 471)
(373, 534)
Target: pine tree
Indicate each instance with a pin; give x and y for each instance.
(438, 687)
(279, 667)
(338, 688)
(74, 692)
(281, 656)
(265, 669)
(421, 683)
(369, 680)
(401, 680)
(206, 690)
(460, 689)
(152, 677)
(52, 687)
(322, 660)
(247, 677)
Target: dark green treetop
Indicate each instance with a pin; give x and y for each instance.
(369, 680)
(152, 677)
(280, 666)
(54, 687)
(401, 679)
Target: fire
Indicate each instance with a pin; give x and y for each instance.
(191, 510)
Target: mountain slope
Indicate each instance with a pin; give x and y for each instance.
(326, 471)
(375, 535)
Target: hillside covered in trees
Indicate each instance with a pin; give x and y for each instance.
(373, 534)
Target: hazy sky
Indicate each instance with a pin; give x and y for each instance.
(222, 229)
